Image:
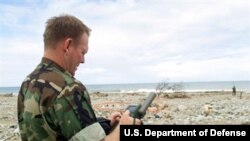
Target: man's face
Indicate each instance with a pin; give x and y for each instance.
(77, 53)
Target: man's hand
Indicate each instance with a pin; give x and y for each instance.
(126, 119)
(114, 118)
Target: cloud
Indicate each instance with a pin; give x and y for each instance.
(134, 40)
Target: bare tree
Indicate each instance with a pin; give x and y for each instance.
(162, 87)
(176, 87)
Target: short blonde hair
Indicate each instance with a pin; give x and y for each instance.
(63, 26)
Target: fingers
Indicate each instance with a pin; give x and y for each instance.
(126, 119)
(126, 112)
(136, 121)
(115, 116)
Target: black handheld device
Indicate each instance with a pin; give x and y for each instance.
(139, 111)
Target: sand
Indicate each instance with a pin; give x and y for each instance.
(218, 107)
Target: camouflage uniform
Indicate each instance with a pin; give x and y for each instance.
(53, 105)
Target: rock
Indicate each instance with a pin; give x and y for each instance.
(163, 106)
(13, 126)
(7, 95)
(152, 109)
(204, 108)
(207, 109)
(16, 131)
(181, 108)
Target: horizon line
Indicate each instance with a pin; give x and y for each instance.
(156, 82)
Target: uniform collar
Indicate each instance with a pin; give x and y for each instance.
(52, 63)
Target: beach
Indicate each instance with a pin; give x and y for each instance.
(182, 108)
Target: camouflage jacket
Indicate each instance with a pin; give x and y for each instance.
(53, 105)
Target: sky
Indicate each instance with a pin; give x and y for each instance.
(134, 41)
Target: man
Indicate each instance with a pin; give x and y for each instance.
(234, 90)
(52, 104)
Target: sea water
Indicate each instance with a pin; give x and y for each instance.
(150, 87)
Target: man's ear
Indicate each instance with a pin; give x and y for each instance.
(67, 44)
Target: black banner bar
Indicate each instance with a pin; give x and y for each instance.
(162, 132)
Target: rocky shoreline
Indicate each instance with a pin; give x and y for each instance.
(192, 108)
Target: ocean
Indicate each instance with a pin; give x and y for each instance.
(150, 87)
